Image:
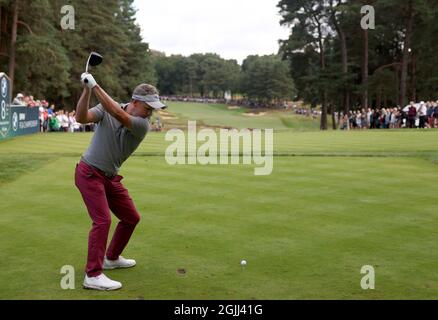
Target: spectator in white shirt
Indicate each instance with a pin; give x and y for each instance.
(65, 122)
(422, 112)
(394, 119)
(73, 124)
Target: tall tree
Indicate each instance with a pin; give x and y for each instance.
(365, 65)
(337, 14)
(309, 23)
(406, 52)
(14, 9)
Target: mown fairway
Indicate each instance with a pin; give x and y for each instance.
(237, 117)
(335, 201)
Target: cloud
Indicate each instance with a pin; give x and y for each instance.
(232, 28)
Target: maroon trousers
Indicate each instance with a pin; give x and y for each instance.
(102, 194)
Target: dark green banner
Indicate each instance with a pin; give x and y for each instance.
(5, 106)
(15, 120)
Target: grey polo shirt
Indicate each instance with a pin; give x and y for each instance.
(112, 143)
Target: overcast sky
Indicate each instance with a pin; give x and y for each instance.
(232, 28)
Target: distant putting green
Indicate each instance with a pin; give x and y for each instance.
(336, 201)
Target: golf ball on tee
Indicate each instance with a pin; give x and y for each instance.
(243, 262)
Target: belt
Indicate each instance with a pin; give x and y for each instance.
(109, 176)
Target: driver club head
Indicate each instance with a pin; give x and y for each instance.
(93, 60)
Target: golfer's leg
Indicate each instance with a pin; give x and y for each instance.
(123, 208)
(93, 192)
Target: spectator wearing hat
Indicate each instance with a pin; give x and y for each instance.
(19, 100)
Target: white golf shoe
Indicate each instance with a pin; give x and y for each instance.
(119, 263)
(101, 282)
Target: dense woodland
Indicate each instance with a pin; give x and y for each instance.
(46, 61)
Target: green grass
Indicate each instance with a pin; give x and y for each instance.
(15, 165)
(220, 116)
(335, 201)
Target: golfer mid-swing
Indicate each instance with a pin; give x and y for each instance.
(120, 130)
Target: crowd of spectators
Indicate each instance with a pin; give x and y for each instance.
(51, 120)
(62, 120)
(29, 101)
(416, 115)
(192, 99)
(234, 102)
(307, 112)
(258, 104)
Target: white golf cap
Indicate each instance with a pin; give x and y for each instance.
(148, 94)
(153, 100)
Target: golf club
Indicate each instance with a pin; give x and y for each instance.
(93, 60)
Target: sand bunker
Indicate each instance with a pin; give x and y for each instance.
(164, 115)
(261, 114)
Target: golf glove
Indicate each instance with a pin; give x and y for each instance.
(88, 80)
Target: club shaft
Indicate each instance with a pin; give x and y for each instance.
(88, 64)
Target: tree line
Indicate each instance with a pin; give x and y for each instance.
(261, 79)
(46, 61)
(340, 65)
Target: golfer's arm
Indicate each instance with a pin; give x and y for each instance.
(82, 115)
(112, 107)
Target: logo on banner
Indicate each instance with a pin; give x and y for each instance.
(3, 110)
(15, 121)
(4, 87)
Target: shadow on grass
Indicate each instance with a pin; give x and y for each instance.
(14, 166)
